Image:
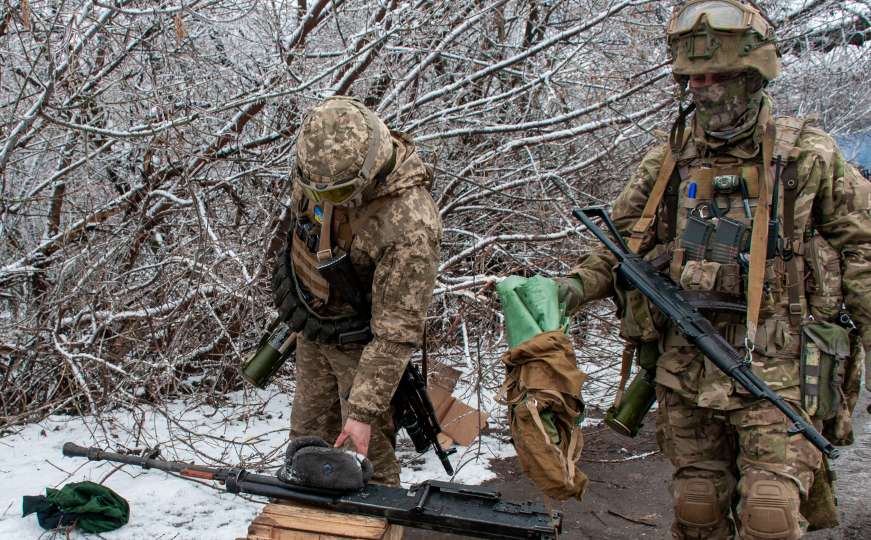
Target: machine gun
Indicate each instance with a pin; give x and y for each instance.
(438, 506)
(689, 321)
(413, 410)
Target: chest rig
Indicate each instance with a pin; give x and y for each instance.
(704, 212)
(331, 305)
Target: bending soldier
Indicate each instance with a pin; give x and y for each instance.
(356, 276)
(691, 209)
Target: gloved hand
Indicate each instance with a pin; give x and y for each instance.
(311, 462)
(571, 292)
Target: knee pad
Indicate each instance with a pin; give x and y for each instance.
(769, 511)
(696, 502)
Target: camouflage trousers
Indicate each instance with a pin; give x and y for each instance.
(324, 375)
(716, 452)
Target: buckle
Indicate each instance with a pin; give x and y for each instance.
(795, 309)
(324, 254)
(355, 336)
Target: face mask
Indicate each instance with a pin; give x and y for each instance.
(726, 109)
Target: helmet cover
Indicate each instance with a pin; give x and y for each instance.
(721, 36)
(341, 148)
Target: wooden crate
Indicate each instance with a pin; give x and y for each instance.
(287, 521)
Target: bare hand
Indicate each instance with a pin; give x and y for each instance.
(359, 433)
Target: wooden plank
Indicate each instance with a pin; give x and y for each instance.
(294, 522)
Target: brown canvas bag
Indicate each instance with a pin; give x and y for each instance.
(543, 392)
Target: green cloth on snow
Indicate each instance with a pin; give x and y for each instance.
(90, 507)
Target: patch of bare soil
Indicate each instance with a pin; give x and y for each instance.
(628, 494)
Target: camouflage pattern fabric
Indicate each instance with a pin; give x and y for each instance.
(326, 373)
(334, 140)
(395, 251)
(831, 200)
(765, 463)
(725, 109)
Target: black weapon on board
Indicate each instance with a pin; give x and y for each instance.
(439, 506)
(689, 321)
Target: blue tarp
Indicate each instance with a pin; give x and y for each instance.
(856, 148)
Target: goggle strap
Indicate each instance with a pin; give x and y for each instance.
(374, 141)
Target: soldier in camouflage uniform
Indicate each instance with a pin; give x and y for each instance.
(737, 470)
(363, 191)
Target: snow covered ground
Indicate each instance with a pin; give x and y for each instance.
(167, 508)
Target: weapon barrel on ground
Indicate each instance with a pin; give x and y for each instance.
(690, 322)
(439, 506)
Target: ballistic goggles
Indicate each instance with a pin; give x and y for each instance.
(723, 15)
(337, 193)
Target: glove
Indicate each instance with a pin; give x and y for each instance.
(571, 292)
(311, 462)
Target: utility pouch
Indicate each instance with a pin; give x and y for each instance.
(824, 355)
(700, 275)
(823, 284)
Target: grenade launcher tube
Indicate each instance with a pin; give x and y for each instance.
(690, 322)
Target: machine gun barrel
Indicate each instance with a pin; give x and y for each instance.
(439, 506)
(690, 322)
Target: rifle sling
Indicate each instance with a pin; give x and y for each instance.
(648, 215)
(759, 235)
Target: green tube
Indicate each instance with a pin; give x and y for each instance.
(275, 348)
(626, 417)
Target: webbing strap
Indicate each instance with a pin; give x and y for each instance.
(759, 236)
(649, 214)
(325, 243)
(367, 170)
(625, 368)
(794, 287)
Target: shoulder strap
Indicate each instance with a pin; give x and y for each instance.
(636, 235)
(795, 288)
(325, 245)
(759, 235)
(788, 132)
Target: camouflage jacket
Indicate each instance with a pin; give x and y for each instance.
(832, 202)
(395, 252)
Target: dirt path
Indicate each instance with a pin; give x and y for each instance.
(628, 497)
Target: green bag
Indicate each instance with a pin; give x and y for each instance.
(530, 306)
(90, 507)
(825, 351)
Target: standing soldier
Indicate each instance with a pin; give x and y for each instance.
(356, 276)
(691, 210)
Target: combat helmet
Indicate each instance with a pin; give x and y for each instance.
(341, 149)
(721, 36)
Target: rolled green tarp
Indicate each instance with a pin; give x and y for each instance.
(530, 306)
(520, 325)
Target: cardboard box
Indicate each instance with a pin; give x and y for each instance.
(459, 422)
